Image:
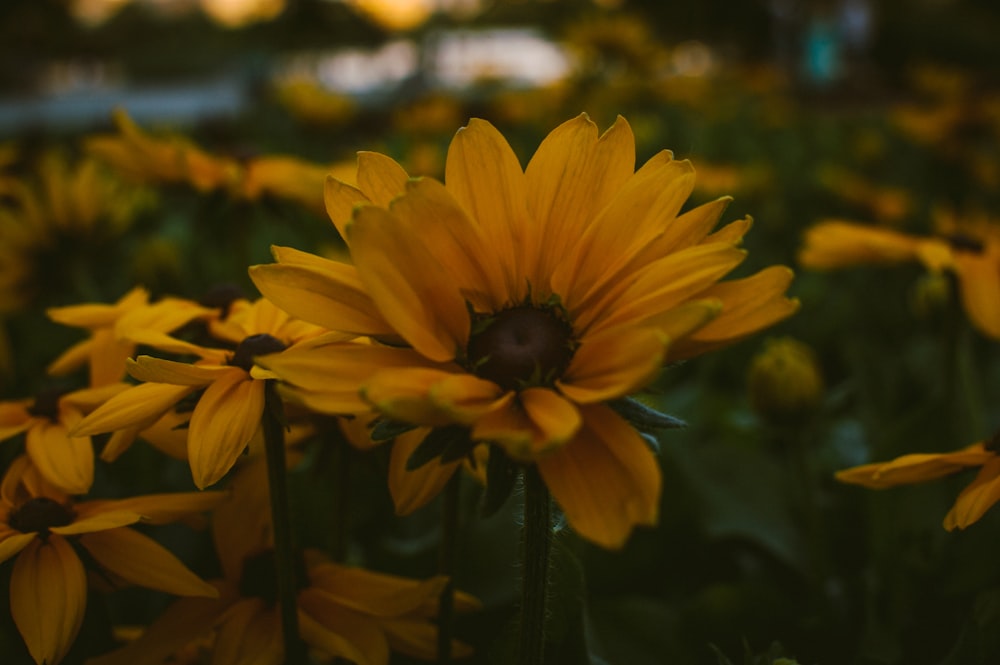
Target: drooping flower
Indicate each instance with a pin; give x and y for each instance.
(969, 248)
(971, 504)
(176, 159)
(40, 526)
(228, 413)
(526, 302)
(343, 611)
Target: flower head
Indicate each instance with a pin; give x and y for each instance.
(48, 589)
(525, 301)
(228, 412)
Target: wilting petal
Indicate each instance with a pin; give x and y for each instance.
(413, 489)
(140, 405)
(420, 301)
(48, 598)
(66, 461)
(483, 174)
(140, 560)
(613, 364)
(977, 498)
(225, 419)
(606, 479)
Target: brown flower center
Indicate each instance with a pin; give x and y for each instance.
(965, 243)
(252, 346)
(259, 578)
(46, 403)
(521, 346)
(39, 515)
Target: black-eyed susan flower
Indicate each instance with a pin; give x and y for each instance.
(228, 412)
(971, 504)
(343, 611)
(65, 459)
(969, 248)
(108, 346)
(526, 301)
(42, 527)
(176, 159)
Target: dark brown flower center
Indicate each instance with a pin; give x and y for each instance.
(39, 515)
(222, 296)
(521, 346)
(252, 346)
(259, 578)
(46, 403)
(965, 243)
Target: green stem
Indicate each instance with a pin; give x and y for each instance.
(537, 531)
(341, 463)
(284, 551)
(446, 566)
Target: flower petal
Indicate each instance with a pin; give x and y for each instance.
(363, 637)
(340, 199)
(158, 370)
(483, 174)
(48, 598)
(979, 282)
(413, 489)
(331, 642)
(399, 271)
(154, 508)
(430, 397)
(613, 364)
(12, 542)
(140, 405)
(65, 461)
(538, 420)
(140, 560)
(915, 468)
(377, 594)
(838, 244)
(225, 419)
(977, 498)
(380, 177)
(606, 479)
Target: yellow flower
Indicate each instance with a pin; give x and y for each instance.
(228, 413)
(886, 204)
(971, 504)
(526, 301)
(308, 101)
(65, 460)
(970, 248)
(40, 525)
(343, 612)
(107, 348)
(175, 159)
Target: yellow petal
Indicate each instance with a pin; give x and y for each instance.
(103, 521)
(140, 405)
(430, 397)
(107, 358)
(340, 199)
(165, 342)
(413, 489)
(225, 419)
(837, 244)
(538, 420)
(65, 461)
(915, 468)
(373, 593)
(72, 358)
(419, 639)
(154, 508)
(979, 282)
(235, 630)
(977, 498)
(157, 370)
(318, 636)
(614, 363)
(362, 634)
(606, 479)
(12, 542)
(330, 295)
(140, 560)
(483, 175)
(570, 179)
(399, 271)
(14, 418)
(48, 597)
(380, 177)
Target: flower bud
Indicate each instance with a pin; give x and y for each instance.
(784, 381)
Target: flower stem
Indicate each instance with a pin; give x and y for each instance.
(341, 508)
(446, 566)
(284, 551)
(537, 531)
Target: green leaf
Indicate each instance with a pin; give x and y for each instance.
(644, 417)
(385, 429)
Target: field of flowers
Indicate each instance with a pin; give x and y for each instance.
(672, 350)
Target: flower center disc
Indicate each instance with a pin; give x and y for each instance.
(521, 346)
(39, 515)
(255, 345)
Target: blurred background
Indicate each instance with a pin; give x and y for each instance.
(884, 112)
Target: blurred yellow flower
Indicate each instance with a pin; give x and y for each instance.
(884, 204)
(309, 102)
(971, 504)
(42, 527)
(784, 381)
(525, 304)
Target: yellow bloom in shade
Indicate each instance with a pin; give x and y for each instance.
(343, 611)
(519, 302)
(228, 413)
(970, 248)
(971, 504)
(39, 525)
(108, 347)
(175, 159)
(64, 459)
